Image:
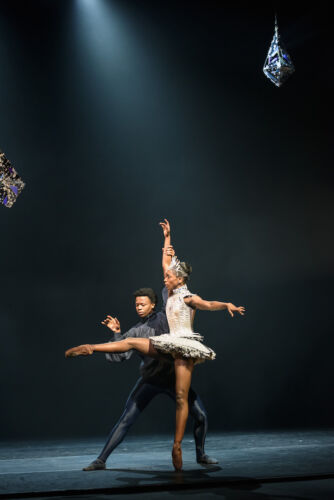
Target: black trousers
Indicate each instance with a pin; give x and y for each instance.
(140, 396)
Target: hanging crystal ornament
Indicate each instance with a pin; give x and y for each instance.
(278, 65)
(11, 183)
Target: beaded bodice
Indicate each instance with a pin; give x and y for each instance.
(179, 315)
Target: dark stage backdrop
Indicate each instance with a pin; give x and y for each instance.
(118, 114)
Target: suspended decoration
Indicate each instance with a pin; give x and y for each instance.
(278, 65)
(11, 183)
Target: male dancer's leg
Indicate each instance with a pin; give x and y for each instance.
(139, 398)
(198, 412)
(200, 417)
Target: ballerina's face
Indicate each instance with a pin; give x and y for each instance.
(144, 306)
(172, 281)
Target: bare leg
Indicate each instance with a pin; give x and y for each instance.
(140, 344)
(183, 373)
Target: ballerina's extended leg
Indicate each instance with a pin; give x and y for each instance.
(142, 345)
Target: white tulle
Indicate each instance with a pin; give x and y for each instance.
(181, 341)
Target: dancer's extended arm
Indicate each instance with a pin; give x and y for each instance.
(166, 257)
(197, 302)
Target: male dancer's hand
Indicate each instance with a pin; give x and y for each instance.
(112, 323)
(234, 309)
(169, 250)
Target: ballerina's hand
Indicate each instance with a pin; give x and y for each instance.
(232, 309)
(112, 323)
(80, 350)
(165, 227)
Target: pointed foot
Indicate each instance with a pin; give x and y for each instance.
(81, 350)
(177, 457)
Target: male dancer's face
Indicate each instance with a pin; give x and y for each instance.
(144, 306)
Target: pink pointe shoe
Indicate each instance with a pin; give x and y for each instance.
(80, 350)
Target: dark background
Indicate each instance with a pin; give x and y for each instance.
(120, 113)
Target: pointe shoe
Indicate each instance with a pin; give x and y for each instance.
(81, 350)
(177, 456)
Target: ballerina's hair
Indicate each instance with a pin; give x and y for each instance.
(187, 270)
(182, 269)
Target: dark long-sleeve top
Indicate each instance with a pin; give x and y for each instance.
(157, 371)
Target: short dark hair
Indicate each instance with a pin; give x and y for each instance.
(147, 292)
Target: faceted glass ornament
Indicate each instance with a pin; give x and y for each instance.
(278, 65)
(11, 183)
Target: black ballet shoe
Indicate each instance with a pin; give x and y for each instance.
(177, 456)
(97, 464)
(206, 460)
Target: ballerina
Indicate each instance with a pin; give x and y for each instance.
(182, 343)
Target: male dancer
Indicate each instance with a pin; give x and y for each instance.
(157, 377)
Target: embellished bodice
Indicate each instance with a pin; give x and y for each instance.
(181, 341)
(179, 315)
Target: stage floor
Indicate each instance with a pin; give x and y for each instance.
(248, 462)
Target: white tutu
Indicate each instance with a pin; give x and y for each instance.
(181, 341)
(182, 346)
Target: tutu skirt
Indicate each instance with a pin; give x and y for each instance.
(185, 345)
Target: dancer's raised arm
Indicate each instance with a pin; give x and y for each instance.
(166, 257)
(197, 302)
